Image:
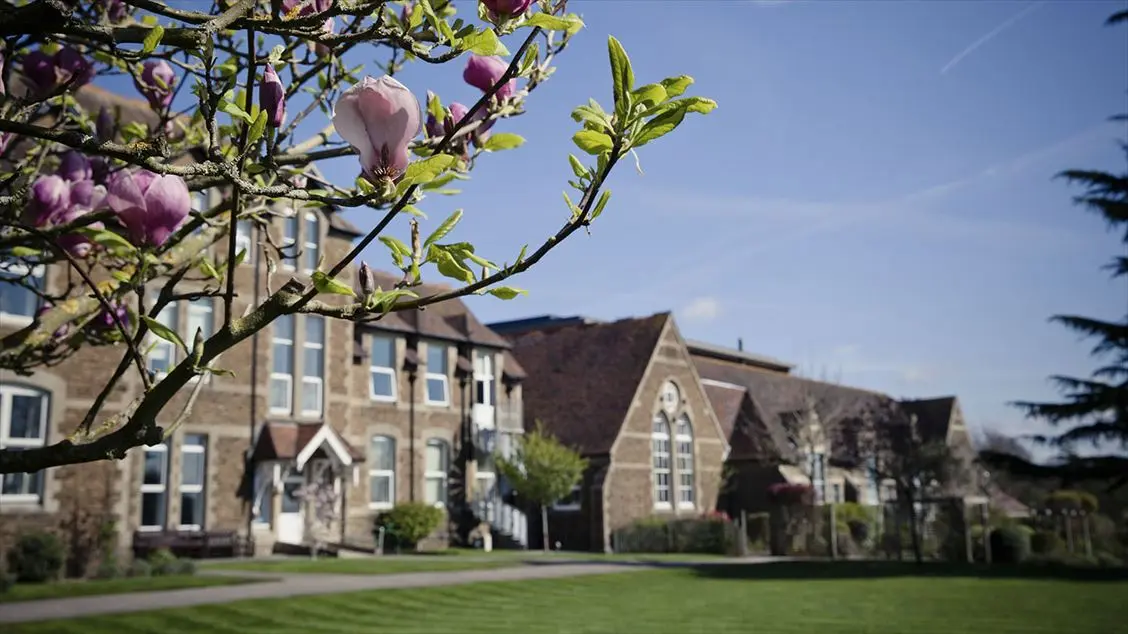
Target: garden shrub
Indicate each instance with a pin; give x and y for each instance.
(1009, 545)
(36, 557)
(409, 523)
(859, 530)
(1046, 543)
(139, 568)
(184, 566)
(162, 562)
(107, 569)
(714, 534)
(6, 582)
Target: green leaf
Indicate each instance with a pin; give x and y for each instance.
(676, 86)
(650, 95)
(152, 39)
(465, 251)
(600, 204)
(364, 186)
(231, 108)
(446, 227)
(258, 128)
(24, 252)
(398, 248)
(107, 238)
(435, 107)
(428, 169)
(484, 42)
(577, 167)
(503, 141)
(255, 168)
(384, 301)
(240, 256)
(450, 267)
(521, 255)
(507, 292)
(659, 126)
(570, 24)
(120, 275)
(592, 142)
(208, 269)
(164, 332)
(414, 211)
(622, 77)
(325, 284)
(275, 54)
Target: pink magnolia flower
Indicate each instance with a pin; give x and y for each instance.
(45, 73)
(2, 89)
(501, 10)
(308, 7)
(75, 167)
(324, 50)
(483, 72)
(156, 83)
(56, 201)
(272, 97)
(379, 118)
(150, 206)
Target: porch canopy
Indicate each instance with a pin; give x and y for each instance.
(302, 442)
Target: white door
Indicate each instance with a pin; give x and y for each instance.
(291, 524)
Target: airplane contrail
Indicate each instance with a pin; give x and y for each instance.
(1008, 23)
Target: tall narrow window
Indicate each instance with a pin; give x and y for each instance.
(437, 472)
(162, 356)
(282, 368)
(262, 509)
(484, 378)
(23, 425)
(199, 316)
(383, 368)
(817, 466)
(660, 450)
(437, 387)
(311, 245)
(683, 439)
(154, 488)
(313, 366)
(243, 238)
(382, 473)
(19, 299)
(193, 481)
(873, 497)
(290, 226)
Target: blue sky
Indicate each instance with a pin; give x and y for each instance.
(872, 200)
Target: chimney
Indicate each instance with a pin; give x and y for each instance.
(740, 344)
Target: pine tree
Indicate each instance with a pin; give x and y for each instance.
(1095, 409)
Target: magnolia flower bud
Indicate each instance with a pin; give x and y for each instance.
(150, 206)
(308, 7)
(156, 83)
(323, 51)
(115, 10)
(39, 70)
(379, 118)
(364, 280)
(483, 72)
(272, 97)
(55, 201)
(75, 167)
(2, 89)
(71, 67)
(501, 10)
(104, 125)
(50, 200)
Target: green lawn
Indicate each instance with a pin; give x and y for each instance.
(64, 589)
(773, 599)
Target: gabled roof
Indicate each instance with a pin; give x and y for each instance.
(581, 378)
(294, 441)
(450, 320)
(934, 415)
(736, 413)
(701, 348)
(775, 396)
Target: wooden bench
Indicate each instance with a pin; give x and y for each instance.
(192, 544)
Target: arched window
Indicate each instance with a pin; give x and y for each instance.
(660, 450)
(23, 425)
(683, 439)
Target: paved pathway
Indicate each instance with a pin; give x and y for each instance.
(283, 585)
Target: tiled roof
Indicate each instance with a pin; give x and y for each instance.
(703, 349)
(582, 378)
(285, 440)
(933, 415)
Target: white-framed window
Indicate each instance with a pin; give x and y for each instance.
(243, 239)
(311, 245)
(154, 488)
(162, 355)
(683, 441)
(437, 470)
(484, 380)
(313, 366)
(193, 481)
(23, 425)
(836, 496)
(660, 455)
(262, 508)
(291, 224)
(438, 388)
(382, 473)
(282, 366)
(19, 304)
(571, 502)
(816, 466)
(382, 367)
(873, 496)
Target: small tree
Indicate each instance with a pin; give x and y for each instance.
(543, 470)
(323, 504)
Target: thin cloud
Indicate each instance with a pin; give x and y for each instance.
(702, 309)
(1008, 23)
